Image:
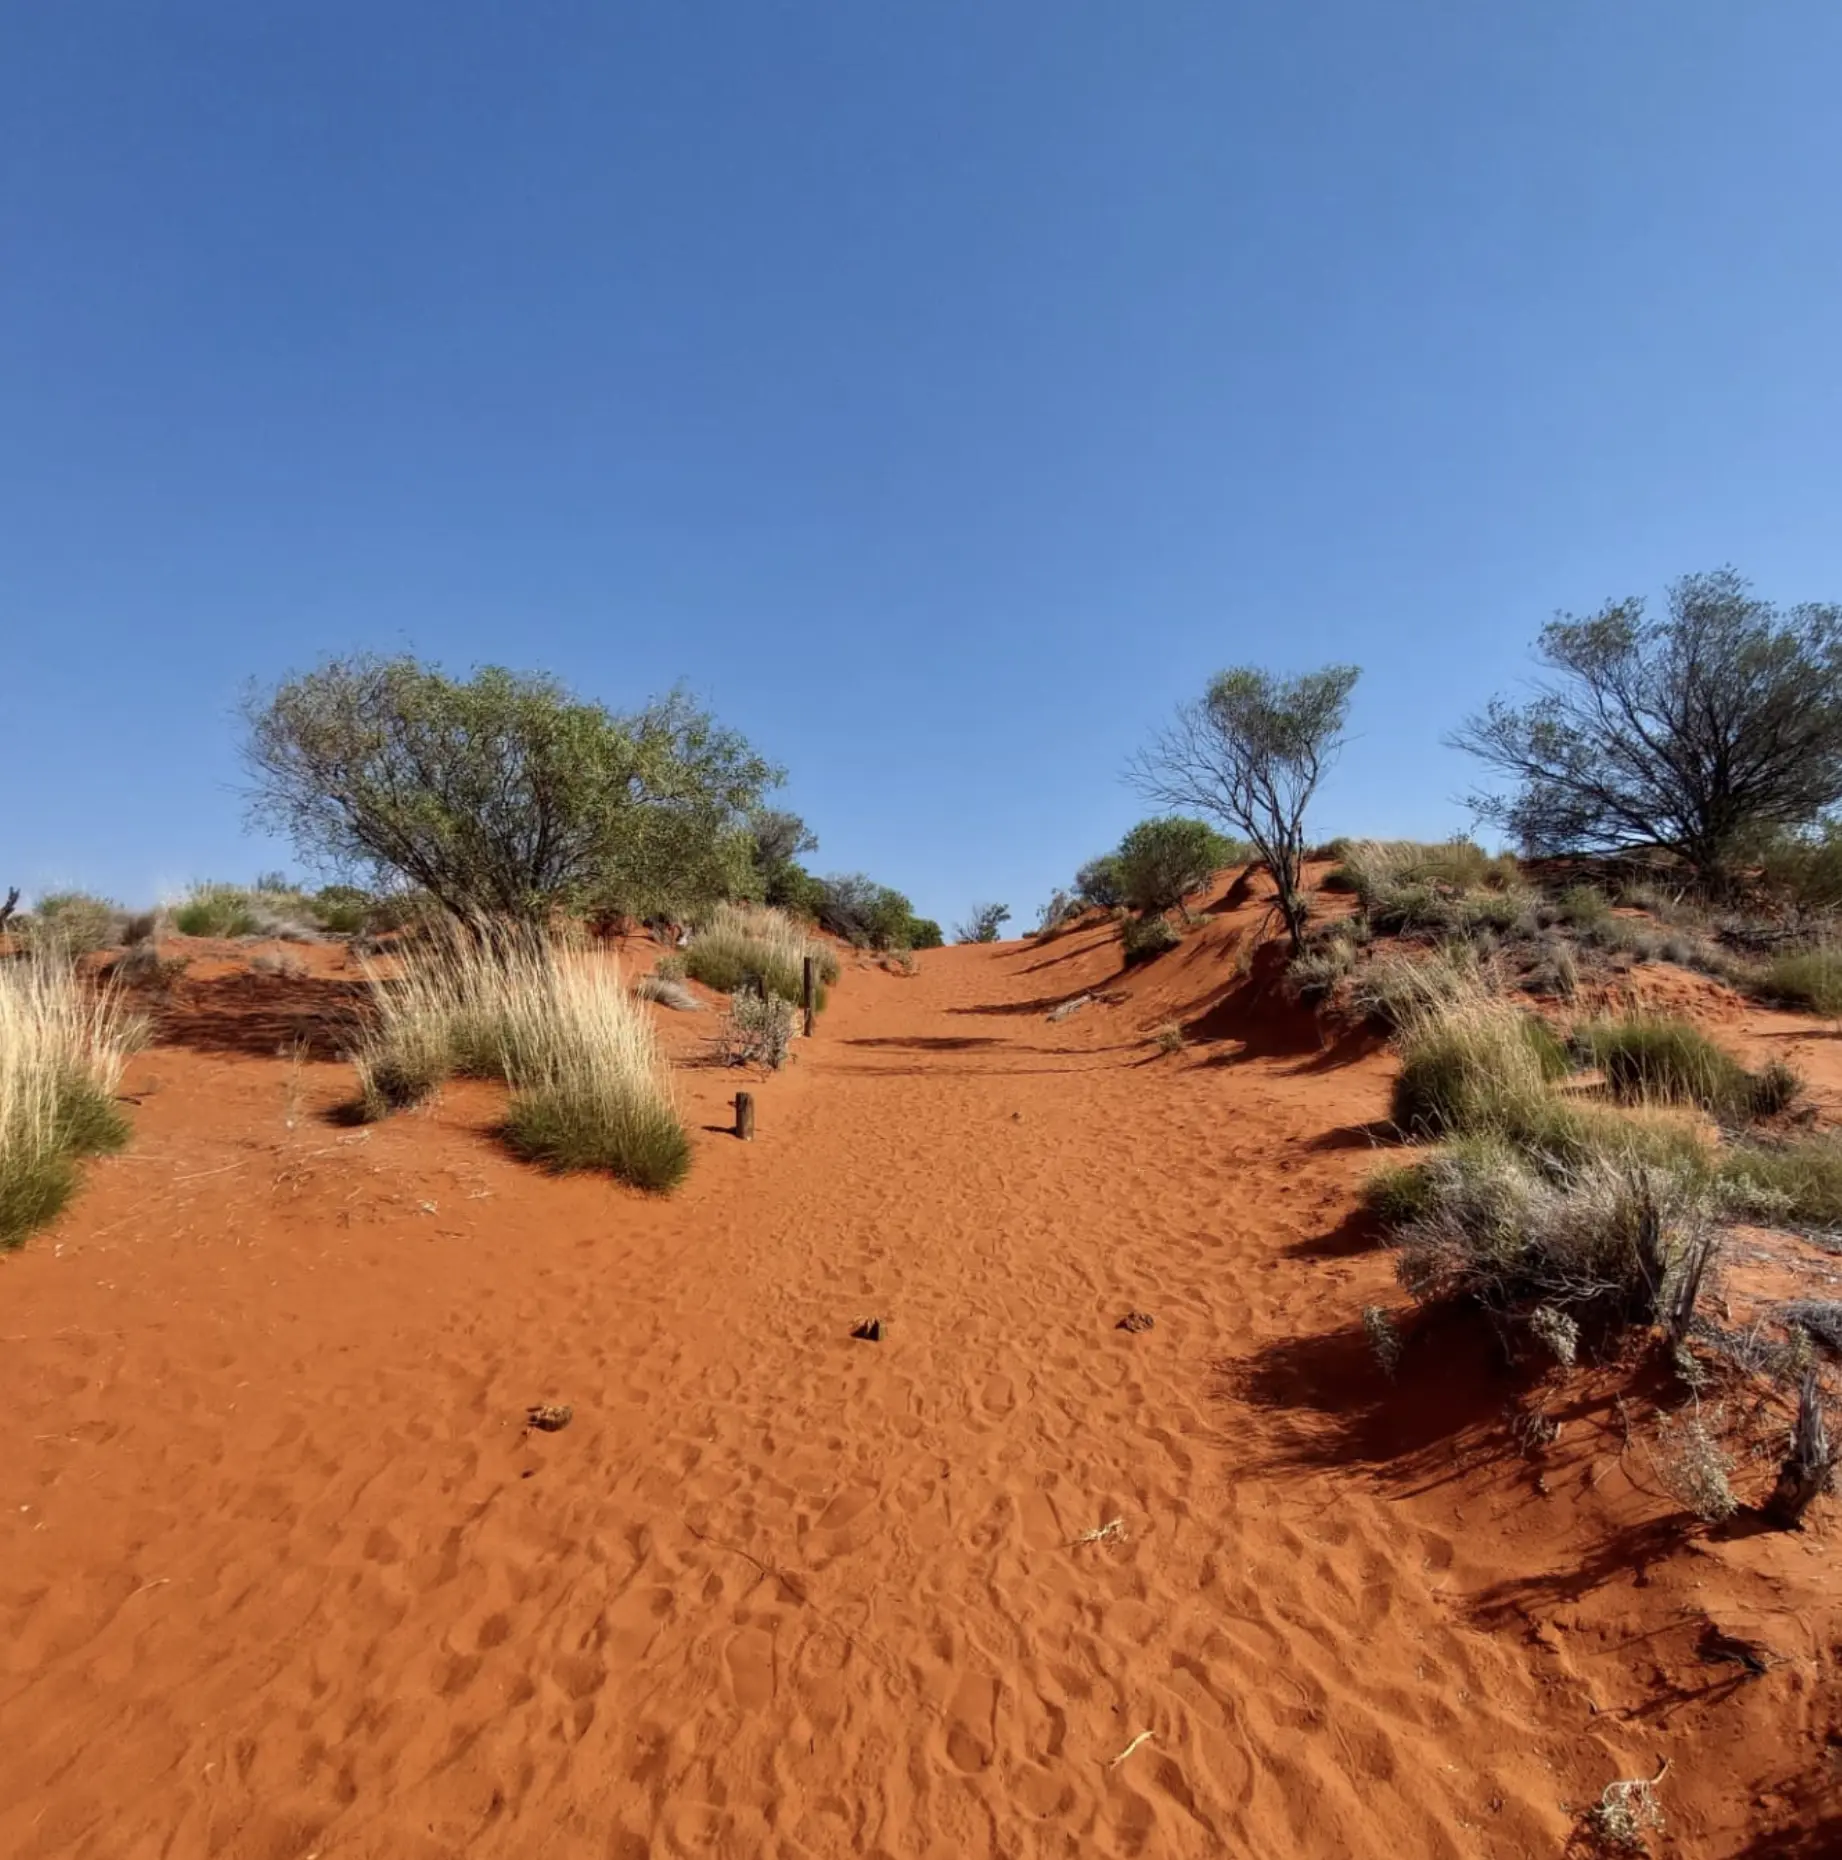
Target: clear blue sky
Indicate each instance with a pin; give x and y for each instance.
(942, 390)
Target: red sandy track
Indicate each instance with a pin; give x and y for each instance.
(282, 1575)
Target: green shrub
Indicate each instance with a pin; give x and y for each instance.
(341, 910)
(1809, 978)
(1647, 1057)
(1102, 882)
(1799, 1181)
(1142, 938)
(984, 925)
(1160, 862)
(1583, 907)
(1398, 1193)
(871, 916)
(749, 947)
(1804, 870)
(1607, 1241)
(74, 923)
(215, 910)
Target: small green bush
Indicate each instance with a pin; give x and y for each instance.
(1648, 1057)
(742, 947)
(1799, 1182)
(1583, 907)
(215, 910)
(1398, 1193)
(1102, 882)
(567, 1123)
(1810, 979)
(74, 923)
(342, 910)
(1160, 862)
(1804, 870)
(1608, 1240)
(1143, 938)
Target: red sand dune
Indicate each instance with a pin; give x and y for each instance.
(284, 1575)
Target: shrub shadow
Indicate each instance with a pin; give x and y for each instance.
(1334, 1406)
(1359, 1231)
(1378, 1133)
(931, 1043)
(263, 1016)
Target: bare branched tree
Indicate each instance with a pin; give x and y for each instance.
(1251, 754)
(1697, 734)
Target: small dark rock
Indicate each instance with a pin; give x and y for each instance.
(548, 1416)
(870, 1330)
(1137, 1320)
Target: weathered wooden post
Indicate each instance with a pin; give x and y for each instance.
(811, 995)
(745, 1116)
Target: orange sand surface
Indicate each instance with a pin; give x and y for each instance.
(283, 1574)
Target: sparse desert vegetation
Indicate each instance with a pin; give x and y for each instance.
(745, 946)
(1575, 1176)
(63, 1043)
(589, 1089)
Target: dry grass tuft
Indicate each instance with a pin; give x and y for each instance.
(745, 946)
(589, 1088)
(63, 1042)
(667, 992)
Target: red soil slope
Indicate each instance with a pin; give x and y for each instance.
(283, 1574)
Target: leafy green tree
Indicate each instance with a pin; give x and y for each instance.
(1251, 754)
(503, 794)
(1700, 733)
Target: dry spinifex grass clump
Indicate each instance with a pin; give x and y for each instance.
(747, 945)
(63, 1041)
(589, 1087)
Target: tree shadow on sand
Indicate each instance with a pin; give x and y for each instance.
(1259, 1015)
(262, 1016)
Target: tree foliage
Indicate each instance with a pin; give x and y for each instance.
(983, 924)
(870, 915)
(1100, 882)
(1700, 733)
(1250, 754)
(503, 794)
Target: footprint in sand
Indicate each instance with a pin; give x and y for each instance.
(972, 1722)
